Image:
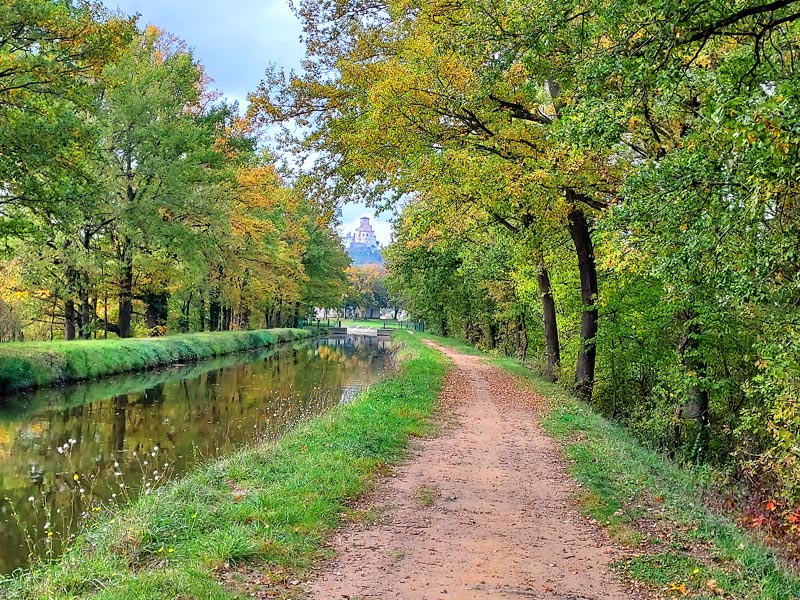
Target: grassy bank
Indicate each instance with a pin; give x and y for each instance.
(131, 383)
(656, 507)
(267, 507)
(25, 365)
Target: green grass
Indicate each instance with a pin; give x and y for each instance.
(25, 365)
(647, 502)
(268, 507)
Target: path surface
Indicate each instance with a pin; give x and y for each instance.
(482, 510)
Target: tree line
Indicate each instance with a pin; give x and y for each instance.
(132, 198)
(609, 187)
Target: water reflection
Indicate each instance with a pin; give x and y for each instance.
(64, 452)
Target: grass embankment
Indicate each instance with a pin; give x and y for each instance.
(131, 383)
(25, 365)
(656, 507)
(267, 507)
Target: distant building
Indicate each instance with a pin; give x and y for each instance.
(362, 245)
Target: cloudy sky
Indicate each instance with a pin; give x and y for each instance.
(235, 40)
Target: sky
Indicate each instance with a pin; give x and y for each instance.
(235, 40)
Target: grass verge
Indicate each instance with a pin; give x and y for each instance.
(680, 548)
(25, 365)
(253, 522)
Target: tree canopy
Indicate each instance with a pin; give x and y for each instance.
(133, 200)
(608, 186)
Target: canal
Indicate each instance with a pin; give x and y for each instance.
(66, 454)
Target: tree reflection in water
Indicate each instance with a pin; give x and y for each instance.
(118, 434)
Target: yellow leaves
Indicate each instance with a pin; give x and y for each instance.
(679, 588)
(682, 588)
(703, 61)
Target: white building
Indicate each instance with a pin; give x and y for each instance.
(365, 234)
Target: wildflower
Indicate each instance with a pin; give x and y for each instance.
(31, 498)
(76, 477)
(161, 549)
(60, 450)
(171, 550)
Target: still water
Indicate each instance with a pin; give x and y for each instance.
(69, 452)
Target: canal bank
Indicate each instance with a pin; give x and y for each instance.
(268, 505)
(26, 365)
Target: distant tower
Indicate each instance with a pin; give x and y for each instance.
(363, 246)
(364, 234)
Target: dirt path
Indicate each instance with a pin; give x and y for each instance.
(483, 510)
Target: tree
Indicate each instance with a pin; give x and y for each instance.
(163, 166)
(453, 102)
(52, 54)
(367, 292)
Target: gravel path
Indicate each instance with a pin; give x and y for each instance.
(482, 510)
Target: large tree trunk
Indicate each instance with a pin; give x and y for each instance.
(126, 293)
(279, 315)
(550, 324)
(156, 312)
(85, 316)
(86, 310)
(69, 320)
(492, 335)
(696, 406)
(202, 311)
(296, 323)
(214, 313)
(581, 237)
(183, 322)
